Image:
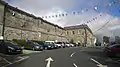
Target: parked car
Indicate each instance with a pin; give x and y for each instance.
(9, 47)
(74, 44)
(71, 45)
(53, 44)
(112, 50)
(60, 44)
(67, 44)
(33, 46)
(48, 46)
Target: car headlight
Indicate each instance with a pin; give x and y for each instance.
(22, 47)
(37, 46)
(11, 48)
(49, 46)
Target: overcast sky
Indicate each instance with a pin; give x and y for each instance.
(88, 9)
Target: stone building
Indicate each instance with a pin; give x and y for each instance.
(80, 34)
(22, 25)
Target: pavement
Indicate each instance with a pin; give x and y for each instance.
(68, 57)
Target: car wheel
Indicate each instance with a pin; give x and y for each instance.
(33, 49)
(46, 48)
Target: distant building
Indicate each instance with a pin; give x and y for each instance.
(80, 34)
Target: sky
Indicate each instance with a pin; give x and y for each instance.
(88, 9)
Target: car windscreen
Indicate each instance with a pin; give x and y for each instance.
(36, 44)
(58, 42)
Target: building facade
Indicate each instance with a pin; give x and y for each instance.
(22, 25)
(80, 34)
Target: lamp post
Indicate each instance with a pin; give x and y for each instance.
(4, 15)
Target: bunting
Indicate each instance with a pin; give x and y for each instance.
(94, 8)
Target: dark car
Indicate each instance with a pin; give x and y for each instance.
(33, 46)
(8, 47)
(112, 50)
(49, 45)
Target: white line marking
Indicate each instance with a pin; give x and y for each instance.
(72, 54)
(98, 64)
(17, 61)
(82, 50)
(94, 60)
(75, 65)
(7, 61)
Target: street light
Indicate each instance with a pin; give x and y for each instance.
(4, 18)
(4, 14)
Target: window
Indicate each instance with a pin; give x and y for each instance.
(73, 32)
(79, 31)
(67, 32)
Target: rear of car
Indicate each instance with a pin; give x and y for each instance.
(112, 50)
(67, 44)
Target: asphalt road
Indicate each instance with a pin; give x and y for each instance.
(68, 57)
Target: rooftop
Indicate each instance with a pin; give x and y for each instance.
(77, 27)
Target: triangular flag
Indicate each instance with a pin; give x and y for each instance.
(59, 15)
(49, 17)
(56, 15)
(62, 14)
(74, 13)
(52, 15)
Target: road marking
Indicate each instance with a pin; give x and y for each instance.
(98, 64)
(7, 61)
(75, 65)
(82, 50)
(94, 60)
(48, 61)
(22, 58)
(72, 54)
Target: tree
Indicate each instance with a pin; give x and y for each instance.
(71, 41)
(106, 39)
(117, 39)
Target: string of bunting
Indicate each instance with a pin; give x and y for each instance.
(94, 8)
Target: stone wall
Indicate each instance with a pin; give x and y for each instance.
(22, 25)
